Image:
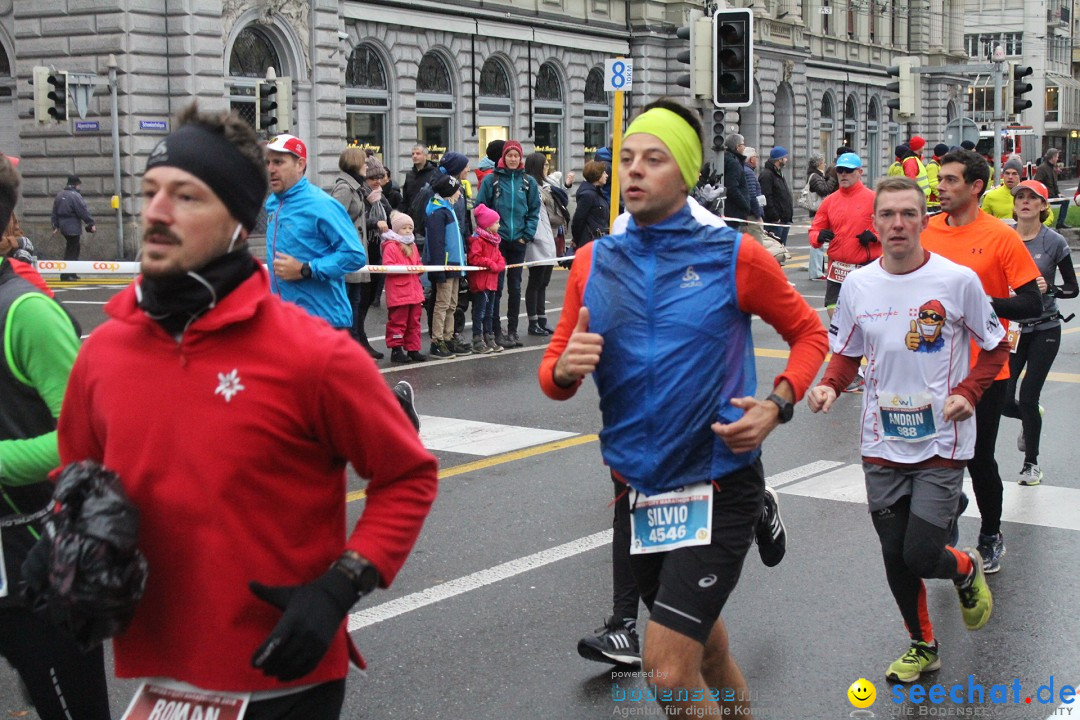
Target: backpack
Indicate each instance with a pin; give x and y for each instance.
(808, 199)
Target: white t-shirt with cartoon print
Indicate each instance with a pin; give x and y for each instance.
(914, 330)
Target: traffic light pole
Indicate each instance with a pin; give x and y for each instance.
(999, 114)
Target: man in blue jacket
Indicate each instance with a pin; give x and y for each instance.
(309, 237)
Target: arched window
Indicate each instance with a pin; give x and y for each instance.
(9, 119)
(253, 53)
(433, 77)
(548, 112)
(597, 113)
(826, 126)
(434, 105)
(493, 80)
(851, 123)
(367, 99)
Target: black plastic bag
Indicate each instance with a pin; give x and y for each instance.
(86, 572)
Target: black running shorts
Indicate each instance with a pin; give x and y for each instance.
(686, 589)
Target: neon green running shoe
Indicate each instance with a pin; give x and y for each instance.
(910, 666)
(976, 602)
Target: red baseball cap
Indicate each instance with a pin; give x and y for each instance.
(288, 144)
(1034, 186)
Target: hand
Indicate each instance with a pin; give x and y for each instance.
(312, 616)
(913, 339)
(957, 408)
(866, 237)
(55, 230)
(582, 353)
(825, 235)
(749, 431)
(821, 398)
(1041, 282)
(761, 200)
(569, 179)
(287, 267)
(383, 227)
(92, 229)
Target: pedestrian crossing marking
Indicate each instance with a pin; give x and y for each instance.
(1044, 505)
(470, 437)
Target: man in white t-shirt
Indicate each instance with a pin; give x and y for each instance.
(912, 315)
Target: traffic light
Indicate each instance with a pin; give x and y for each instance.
(50, 94)
(908, 88)
(40, 82)
(266, 106)
(1015, 87)
(698, 56)
(718, 130)
(733, 57)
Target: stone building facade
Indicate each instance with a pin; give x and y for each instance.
(388, 74)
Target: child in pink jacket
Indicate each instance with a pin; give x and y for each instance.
(484, 252)
(404, 295)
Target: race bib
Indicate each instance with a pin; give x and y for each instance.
(1013, 336)
(160, 701)
(908, 418)
(839, 270)
(671, 520)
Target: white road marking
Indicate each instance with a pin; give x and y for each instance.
(789, 476)
(470, 437)
(481, 578)
(1044, 505)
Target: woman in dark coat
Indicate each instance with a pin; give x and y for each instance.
(593, 214)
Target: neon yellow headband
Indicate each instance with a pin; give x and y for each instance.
(681, 140)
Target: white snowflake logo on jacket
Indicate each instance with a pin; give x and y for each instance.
(228, 385)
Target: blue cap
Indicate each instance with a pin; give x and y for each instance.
(849, 160)
(778, 152)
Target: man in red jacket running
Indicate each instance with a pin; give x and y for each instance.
(229, 415)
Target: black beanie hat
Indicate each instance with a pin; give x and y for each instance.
(494, 150)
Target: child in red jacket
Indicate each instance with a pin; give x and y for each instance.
(404, 295)
(484, 252)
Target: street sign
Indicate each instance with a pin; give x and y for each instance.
(154, 125)
(618, 74)
(87, 126)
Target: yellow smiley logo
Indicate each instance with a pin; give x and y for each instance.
(862, 693)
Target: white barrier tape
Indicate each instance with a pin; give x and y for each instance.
(744, 221)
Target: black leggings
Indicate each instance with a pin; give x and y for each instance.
(912, 549)
(64, 682)
(361, 296)
(322, 702)
(1036, 350)
(535, 291)
(985, 478)
(624, 590)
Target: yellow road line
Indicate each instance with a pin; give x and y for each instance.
(500, 459)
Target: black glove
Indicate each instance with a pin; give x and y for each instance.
(866, 237)
(313, 614)
(825, 236)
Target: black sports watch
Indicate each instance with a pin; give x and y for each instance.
(787, 409)
(361, 573)
(305, 271)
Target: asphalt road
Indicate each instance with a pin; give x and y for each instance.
(513, 566)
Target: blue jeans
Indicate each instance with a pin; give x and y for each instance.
(782, 233)
(512, 253)
(483, 312)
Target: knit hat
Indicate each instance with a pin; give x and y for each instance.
(512, 145)
(941, 149)
(778, 152)
(1013, 164)
(916, 143)
(445, 186)
(902, 151)
(399, 221)
(967, 145)
(494, 150)
(485, 216)
(454, 163)
(373, 168)
(72, 179)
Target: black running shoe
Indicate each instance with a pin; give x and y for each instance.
(771, 535)
(616, 642)
(404, 392)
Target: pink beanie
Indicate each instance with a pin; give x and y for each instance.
(399, 221)
(485, 216)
